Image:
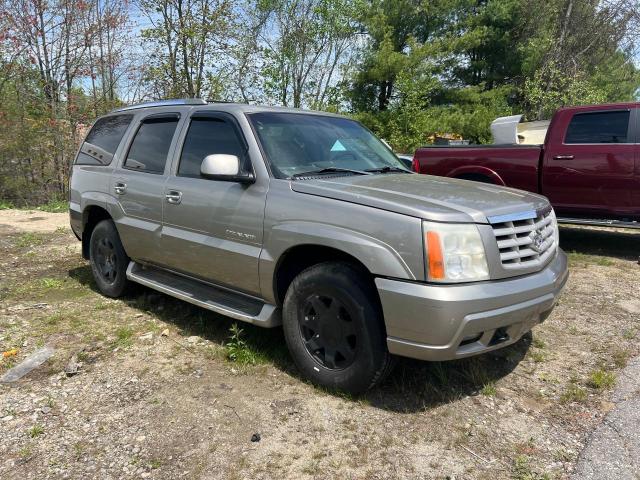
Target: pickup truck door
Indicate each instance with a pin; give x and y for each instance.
(589, 166)
(212, 229)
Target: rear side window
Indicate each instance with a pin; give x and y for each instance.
(150, 147)
(103, 140)
(207, 136)
(599, 127)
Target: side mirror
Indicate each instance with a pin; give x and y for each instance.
(224, 167)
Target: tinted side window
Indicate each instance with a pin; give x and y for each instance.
(598, 127)
(150, 147)
(103, 140)
(207, 136)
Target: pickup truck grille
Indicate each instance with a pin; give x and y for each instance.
(526, 242)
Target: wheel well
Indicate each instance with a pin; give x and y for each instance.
(299, 258)
(476, 177)
(91, 217)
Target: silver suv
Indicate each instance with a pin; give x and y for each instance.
(304, 219)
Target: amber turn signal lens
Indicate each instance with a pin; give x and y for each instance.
(434, 252)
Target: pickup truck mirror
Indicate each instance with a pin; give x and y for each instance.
(224, 167)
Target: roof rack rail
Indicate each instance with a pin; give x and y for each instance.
(164, 103)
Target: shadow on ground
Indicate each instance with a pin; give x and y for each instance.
(412, 386)
(623, 245)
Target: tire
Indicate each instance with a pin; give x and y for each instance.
(108, 260)
(334, 328)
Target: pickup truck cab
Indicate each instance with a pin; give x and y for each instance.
(588, 166)
(304, 219)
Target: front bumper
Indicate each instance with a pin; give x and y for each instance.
(445, 322)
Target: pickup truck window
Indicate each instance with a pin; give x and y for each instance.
(598, 127)
(296, 143)
(150, 147)
(103, 140)
(207, 136)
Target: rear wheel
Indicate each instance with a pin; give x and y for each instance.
(108, 259)
(334, 328)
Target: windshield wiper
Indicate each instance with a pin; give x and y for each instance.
(387, 169)
(322, 171)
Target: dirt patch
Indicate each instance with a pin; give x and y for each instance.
(155, 395)
(22, 221)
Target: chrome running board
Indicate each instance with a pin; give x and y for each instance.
(217, 299)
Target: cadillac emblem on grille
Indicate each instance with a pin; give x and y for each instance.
(536, 241)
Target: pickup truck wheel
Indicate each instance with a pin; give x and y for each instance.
(108, 259)
(333, 326)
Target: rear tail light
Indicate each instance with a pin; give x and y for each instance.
(415, 165)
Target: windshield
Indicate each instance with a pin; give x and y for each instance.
(297, 143)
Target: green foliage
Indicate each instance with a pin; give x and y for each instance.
(36, 431)
(124, 337)
(238, 350)
(600, 379)
(453, 67)
(574, 393)
(55, 206)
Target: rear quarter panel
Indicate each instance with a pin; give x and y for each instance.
(512, 166)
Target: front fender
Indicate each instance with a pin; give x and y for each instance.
(379, 257)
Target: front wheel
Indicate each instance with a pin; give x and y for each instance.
(334, 328)
(108, 259)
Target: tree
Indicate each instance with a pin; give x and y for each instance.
(579, 51)
(188, 41)
(393, 29)
(300, 48)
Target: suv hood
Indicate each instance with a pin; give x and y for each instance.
(424, 196)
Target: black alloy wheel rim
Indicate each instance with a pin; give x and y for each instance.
(328, 332)
(106, 260)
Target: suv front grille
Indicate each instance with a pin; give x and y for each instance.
(525, 242)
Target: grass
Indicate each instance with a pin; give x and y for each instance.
(537, 356)
(54, 206)
(574, 393)
(522, 470)
(601, 380)
(124, 337)
(57, 205)
(29, 239)
(620, 357)
(25, 452)
(577, 259)
(629, 334)
(539, 342)
(489, 389)
(50, 283)
(36, 431)
(239, 351)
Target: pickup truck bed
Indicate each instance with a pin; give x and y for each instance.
(517, 165)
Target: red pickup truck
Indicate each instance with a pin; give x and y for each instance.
(588, 166)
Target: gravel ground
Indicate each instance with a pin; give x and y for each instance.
(613, 451)
(151, 391)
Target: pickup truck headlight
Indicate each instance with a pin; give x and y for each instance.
(454, 253)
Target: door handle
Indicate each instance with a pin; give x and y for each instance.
(120, 188)
(563, 157)
(173, 196)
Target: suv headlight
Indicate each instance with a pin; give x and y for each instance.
(454, 252)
